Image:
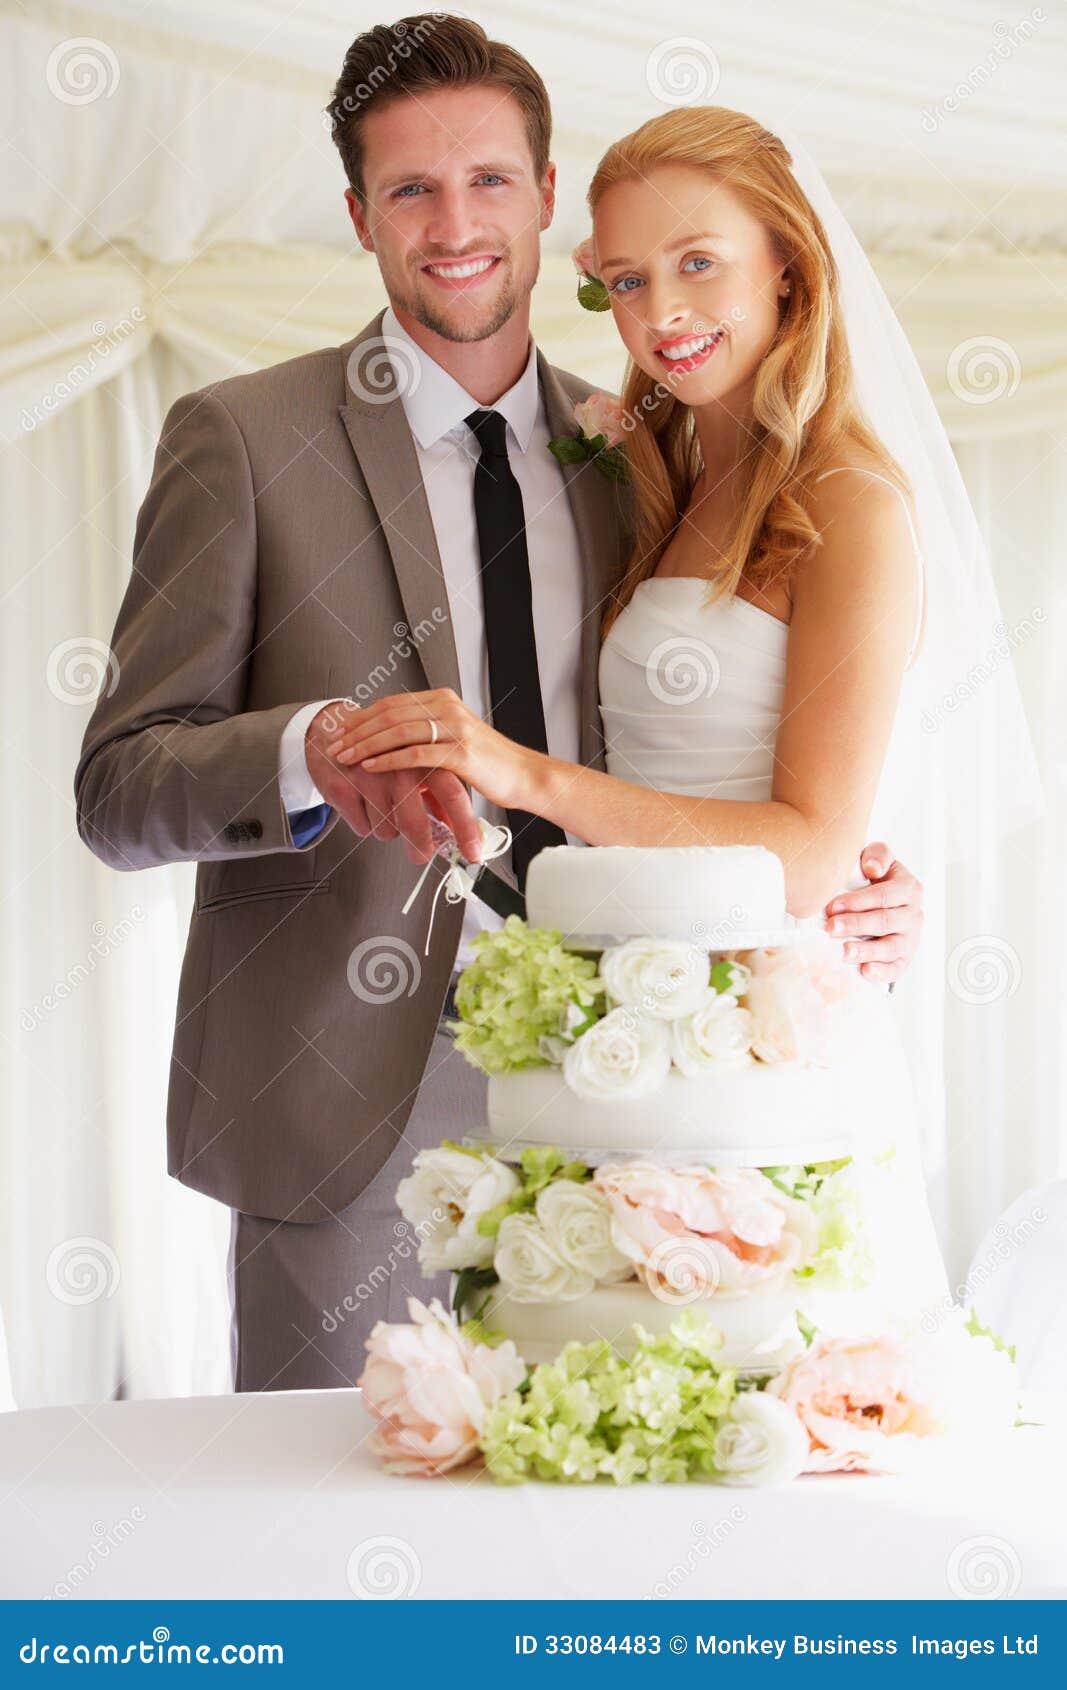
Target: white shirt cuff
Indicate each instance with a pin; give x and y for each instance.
(298, 790)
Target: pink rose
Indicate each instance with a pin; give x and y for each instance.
(583, 259)
(692, 1231)
(864, 1404)
(799, 997)
(600, 414)
(429, 1387)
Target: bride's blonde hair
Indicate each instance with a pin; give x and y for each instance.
(805, 409)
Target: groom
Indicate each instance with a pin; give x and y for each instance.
(322, 530)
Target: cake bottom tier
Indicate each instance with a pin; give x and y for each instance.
(758, 1330)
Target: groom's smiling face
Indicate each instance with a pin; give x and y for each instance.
(453, 209)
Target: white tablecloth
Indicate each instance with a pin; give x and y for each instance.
(277, 1496)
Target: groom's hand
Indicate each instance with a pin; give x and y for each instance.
(390, 805)
(884, 920)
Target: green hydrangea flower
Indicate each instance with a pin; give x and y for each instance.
(515, 992)
(843, 1259)
(595, 1414)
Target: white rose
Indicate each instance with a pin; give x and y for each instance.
(530, 1267)
(717, 1035)
(624, 1055)
(665, 978)
(444, 1196)
(577, 1219)
(762, 1443)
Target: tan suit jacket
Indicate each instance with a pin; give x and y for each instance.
(284, 552)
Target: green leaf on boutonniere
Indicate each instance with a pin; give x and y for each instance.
(612, 464)
(469, 1280)
(593, 295)
(569, 449)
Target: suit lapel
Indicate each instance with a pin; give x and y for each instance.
(595, 507)
(377, 428)
(374, 418)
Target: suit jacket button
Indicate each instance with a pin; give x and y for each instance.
(255, 830)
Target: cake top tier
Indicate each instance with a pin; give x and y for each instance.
(720, 897)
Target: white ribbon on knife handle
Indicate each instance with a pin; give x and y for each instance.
(457, 882)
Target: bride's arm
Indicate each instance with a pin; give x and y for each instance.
(854, 609)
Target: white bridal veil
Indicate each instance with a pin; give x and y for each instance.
(961, 727)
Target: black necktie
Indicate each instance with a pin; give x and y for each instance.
(514, 683)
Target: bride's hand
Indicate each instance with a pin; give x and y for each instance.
(436, 730)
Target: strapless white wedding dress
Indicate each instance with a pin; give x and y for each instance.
(691, 698)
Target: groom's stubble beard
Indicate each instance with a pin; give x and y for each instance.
(468, 322)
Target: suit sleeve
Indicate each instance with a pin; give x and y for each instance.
(172, 768)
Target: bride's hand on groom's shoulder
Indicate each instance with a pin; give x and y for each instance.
(389, 805)
(436, 730)
(881, 921)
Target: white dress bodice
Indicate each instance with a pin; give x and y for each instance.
(691, 698)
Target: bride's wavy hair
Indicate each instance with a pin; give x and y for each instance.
(804, 404)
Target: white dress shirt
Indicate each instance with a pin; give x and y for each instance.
(447, 452)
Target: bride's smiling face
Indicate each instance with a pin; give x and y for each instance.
(696, 287)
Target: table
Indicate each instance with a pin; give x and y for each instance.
(278, 1496)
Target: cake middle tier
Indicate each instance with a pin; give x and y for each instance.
(757, 1116)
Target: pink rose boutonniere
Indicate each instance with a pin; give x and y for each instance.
(599, 437)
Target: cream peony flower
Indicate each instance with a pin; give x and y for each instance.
(762, 1442)
(864, 1404)
(799, 998)
(664, 978)
(717, 1034)
(443, 1197)
(600, 414)
(429, 1386)
(625, 1055)
(530, 1266)
(692, 1231)
(577, 1220)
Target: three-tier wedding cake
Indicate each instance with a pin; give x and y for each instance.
(691, 1240)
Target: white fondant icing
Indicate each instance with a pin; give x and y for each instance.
(720, 897)
(759, 1329)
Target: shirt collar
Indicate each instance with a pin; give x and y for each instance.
(437, 404)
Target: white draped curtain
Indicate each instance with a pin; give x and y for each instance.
(188, 225)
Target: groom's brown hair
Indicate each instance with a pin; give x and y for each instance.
(418, 55)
